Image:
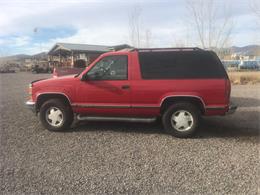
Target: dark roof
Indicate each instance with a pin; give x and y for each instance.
(120, 47)
(169, 49)
(78, 47)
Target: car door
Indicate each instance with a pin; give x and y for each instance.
(106, 87)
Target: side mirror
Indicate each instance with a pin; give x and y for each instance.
(95, 76)
(84, 77)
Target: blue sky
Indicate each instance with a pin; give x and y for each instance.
(107, 23)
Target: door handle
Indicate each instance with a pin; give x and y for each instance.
(125, 87)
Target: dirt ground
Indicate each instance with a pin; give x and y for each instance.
(127, 158)
(244, 77)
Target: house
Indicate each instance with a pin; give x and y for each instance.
(69, 54)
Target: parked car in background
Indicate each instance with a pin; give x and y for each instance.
(7, 69)
(41, 69)
(252, 65)
(58, 72)
(230, 64)
(78, 67)
(178, 85)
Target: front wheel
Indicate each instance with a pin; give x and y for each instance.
(55, 115)
(181, 119)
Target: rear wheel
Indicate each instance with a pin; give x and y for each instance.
(181, 119)
(55, 115)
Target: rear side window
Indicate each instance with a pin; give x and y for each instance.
(180, 65)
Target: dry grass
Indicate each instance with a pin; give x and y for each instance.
(243, 78)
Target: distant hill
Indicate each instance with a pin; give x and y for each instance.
(247, 50)
(19, 57)
(15, 57)
(42, 55)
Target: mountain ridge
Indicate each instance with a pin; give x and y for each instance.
(18, 57)
(244, 50)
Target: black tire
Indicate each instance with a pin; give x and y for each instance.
(186, 109)
(56, 104)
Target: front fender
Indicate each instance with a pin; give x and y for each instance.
(66, 91)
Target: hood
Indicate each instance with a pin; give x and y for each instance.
(38, 80)
(54, 80)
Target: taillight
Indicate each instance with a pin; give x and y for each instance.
(228, 89)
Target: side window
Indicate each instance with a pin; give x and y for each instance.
(109, 68)
(180, 65)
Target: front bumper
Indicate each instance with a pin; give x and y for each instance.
(231, 109)
(31, 106)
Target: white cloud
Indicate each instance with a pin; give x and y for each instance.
(106, 22)
(21, 41)
(18, 41)
(102, 36)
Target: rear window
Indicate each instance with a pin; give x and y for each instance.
(180, 65)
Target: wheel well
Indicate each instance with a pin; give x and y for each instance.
(44, 97)
(172, 100)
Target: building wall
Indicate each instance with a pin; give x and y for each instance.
(69, 60)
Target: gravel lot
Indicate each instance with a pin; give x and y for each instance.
(127, 158)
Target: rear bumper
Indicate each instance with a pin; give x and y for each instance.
(231, 109)
(220, 110)
(31, 106)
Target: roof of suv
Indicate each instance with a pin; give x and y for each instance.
(129, 48)
(169, 49)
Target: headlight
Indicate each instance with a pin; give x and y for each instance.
(30, 90)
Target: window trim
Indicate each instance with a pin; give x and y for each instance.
(127, 77)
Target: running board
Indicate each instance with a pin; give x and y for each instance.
(124, 119)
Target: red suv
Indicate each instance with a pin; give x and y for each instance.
(177, 84)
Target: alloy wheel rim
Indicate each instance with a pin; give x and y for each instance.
(54, 117)
(182, 120)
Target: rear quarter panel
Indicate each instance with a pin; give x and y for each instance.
(151, 93)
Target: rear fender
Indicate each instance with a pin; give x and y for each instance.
(170, 99)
